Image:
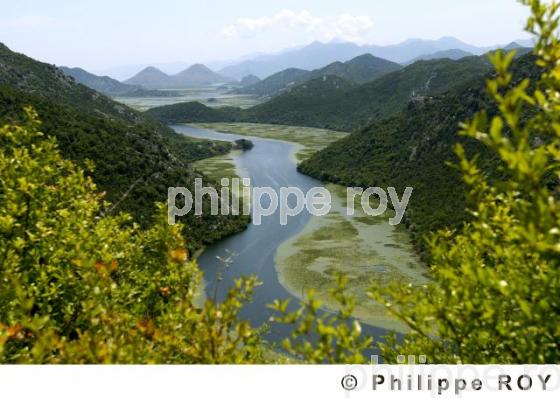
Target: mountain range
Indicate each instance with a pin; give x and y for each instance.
(194, 75)
(361, 69)
(451, 54)
(317, 54)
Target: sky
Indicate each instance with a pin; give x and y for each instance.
(100, 35)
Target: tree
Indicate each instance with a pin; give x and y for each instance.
(496, 282)
(82, 286)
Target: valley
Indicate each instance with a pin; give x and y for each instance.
(398, 195)
(309, 251)
(211, 96)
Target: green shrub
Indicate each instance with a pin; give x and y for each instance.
(79, 286)
(496, 282)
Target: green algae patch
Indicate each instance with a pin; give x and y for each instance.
(367, 249)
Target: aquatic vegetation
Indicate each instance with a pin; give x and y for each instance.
(310, 139)
(365, 248)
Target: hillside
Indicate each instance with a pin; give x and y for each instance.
(190, 112)
(353, 107)
(103, 84)
(321, 89)
(136, 158)
(410, 149)
(361, 69)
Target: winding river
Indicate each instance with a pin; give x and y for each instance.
(270, 163)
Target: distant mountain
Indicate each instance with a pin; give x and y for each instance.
(512, 46)
(103, 84)
(317, 54)
(150, 77)
(526, 43)
(313, 56)
(361, 69)
(275, 83)
(519, 47)
(194, 75)
(123, 72)
(249, 80)
(197, 75)
(450, 54)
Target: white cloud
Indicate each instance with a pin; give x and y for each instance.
(345, 26)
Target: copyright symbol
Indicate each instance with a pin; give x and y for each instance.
(349, 382)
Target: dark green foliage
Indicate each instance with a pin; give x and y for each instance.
(244, 144)
(494, 292)
(354, 107)
(304, 105)
(187, 112)
(411, 149)
(80, 288)
(135, 158)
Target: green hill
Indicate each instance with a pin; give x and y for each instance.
(361, 69)
(191, 112)
(358, 106)
(103, 84)
(410, 149)
(136, 158)
(249, 80)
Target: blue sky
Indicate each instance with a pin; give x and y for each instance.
(102, 34)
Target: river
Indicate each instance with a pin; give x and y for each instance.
(270, 163)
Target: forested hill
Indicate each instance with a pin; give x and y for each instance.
(411, 149)
(362, 69)
(357, 106)
(136, 158)
(103, 84)
(336, 103)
